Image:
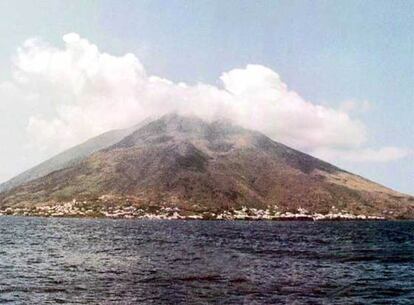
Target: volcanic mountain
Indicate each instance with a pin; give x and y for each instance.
(194, 165)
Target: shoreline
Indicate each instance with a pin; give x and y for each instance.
(168, 213)
(281, 219)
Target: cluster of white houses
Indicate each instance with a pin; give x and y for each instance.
(75, 209)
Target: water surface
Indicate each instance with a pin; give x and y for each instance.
(84, 261)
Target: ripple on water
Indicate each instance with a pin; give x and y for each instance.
(52, 261)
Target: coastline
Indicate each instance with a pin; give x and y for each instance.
(75, 210)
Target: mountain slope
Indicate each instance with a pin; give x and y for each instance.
(70, 157)
(187, 163)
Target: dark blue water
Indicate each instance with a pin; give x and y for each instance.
(74, 261)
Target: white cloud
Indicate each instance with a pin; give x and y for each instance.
(264, 102)
(384, 154)
(80, 91)
(355, 106)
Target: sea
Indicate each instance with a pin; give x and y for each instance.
(102, 261)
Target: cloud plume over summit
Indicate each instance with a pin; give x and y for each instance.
(78, 91)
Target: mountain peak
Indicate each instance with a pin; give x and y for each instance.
(194, 124)
(183, 127)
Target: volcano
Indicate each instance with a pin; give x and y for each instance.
(187, 166)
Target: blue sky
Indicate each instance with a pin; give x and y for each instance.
(329, 52)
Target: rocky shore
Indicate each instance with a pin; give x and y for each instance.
(83, 210)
